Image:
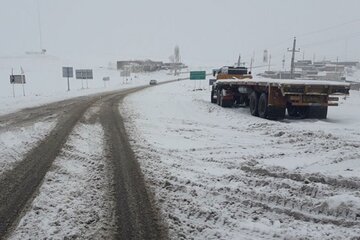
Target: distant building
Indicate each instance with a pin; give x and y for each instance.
(146, 65)
(279, 74)
(324, 70)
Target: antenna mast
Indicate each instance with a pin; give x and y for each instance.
(39, 22)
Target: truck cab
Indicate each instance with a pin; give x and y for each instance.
(231, 72)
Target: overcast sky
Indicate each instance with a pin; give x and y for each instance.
(207, 31)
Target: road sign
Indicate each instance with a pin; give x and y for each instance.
(197, 75)
(106, 79)
(17, 79)
(84, 74)
(125, 73)
(68, 72)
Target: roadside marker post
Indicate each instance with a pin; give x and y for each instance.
(125, 74)
(106, 79)
(84, 74)
(68, 72)
(22, 80)
(17, 79)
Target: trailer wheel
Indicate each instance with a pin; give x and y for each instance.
(247, 101)
(298, 111)
(318, 112)
(292, 111)
(238, 100)
(276, 113)
(253, 103)
(263, 105)
(243, 100)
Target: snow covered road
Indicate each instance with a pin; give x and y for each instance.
(80, 180)
(224, 174)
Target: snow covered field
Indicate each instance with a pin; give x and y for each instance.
(15, 143)
(216, 173)
(44, 81)
(224, 174)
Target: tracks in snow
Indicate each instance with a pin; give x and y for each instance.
(137, 219)
(247, 194)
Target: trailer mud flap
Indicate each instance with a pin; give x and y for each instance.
(275, 97)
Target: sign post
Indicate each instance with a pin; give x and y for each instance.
(23, 84)
(106, 79)
(125, 74)
(84, 74)
(22, 80)
(68, 72)
(197, 75)
(17, 79)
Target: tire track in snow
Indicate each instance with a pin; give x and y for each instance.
(137, 217)
(76, 199)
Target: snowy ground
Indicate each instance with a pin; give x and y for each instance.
(15, 143)
(224, 174)
(217, 173)
(75, 201)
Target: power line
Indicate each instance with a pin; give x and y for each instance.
(282, 43)
(313, 32)
(328, 28)
(331, 40)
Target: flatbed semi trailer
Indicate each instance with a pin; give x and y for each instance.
(271, 98)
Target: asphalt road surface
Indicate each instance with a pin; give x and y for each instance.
(137, 218)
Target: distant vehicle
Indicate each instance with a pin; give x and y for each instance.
(153, 82)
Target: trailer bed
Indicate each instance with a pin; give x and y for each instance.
(281, 82)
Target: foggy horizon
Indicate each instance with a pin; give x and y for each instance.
(207, 32)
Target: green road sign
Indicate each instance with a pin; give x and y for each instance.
(197, 75)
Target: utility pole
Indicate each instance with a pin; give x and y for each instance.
(293, 50)
(252, 61)
(39, 23)
(269, 62)
(13, 84)
(177, 60)
(239, 61)
(251, 64)
(283, 63)
(336, 68)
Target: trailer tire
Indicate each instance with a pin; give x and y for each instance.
(247, 101)
(298, 111)
(243, 100)
(253, 103)
(276, 113)
(292, 111)
(263, 105)
(318, 112)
